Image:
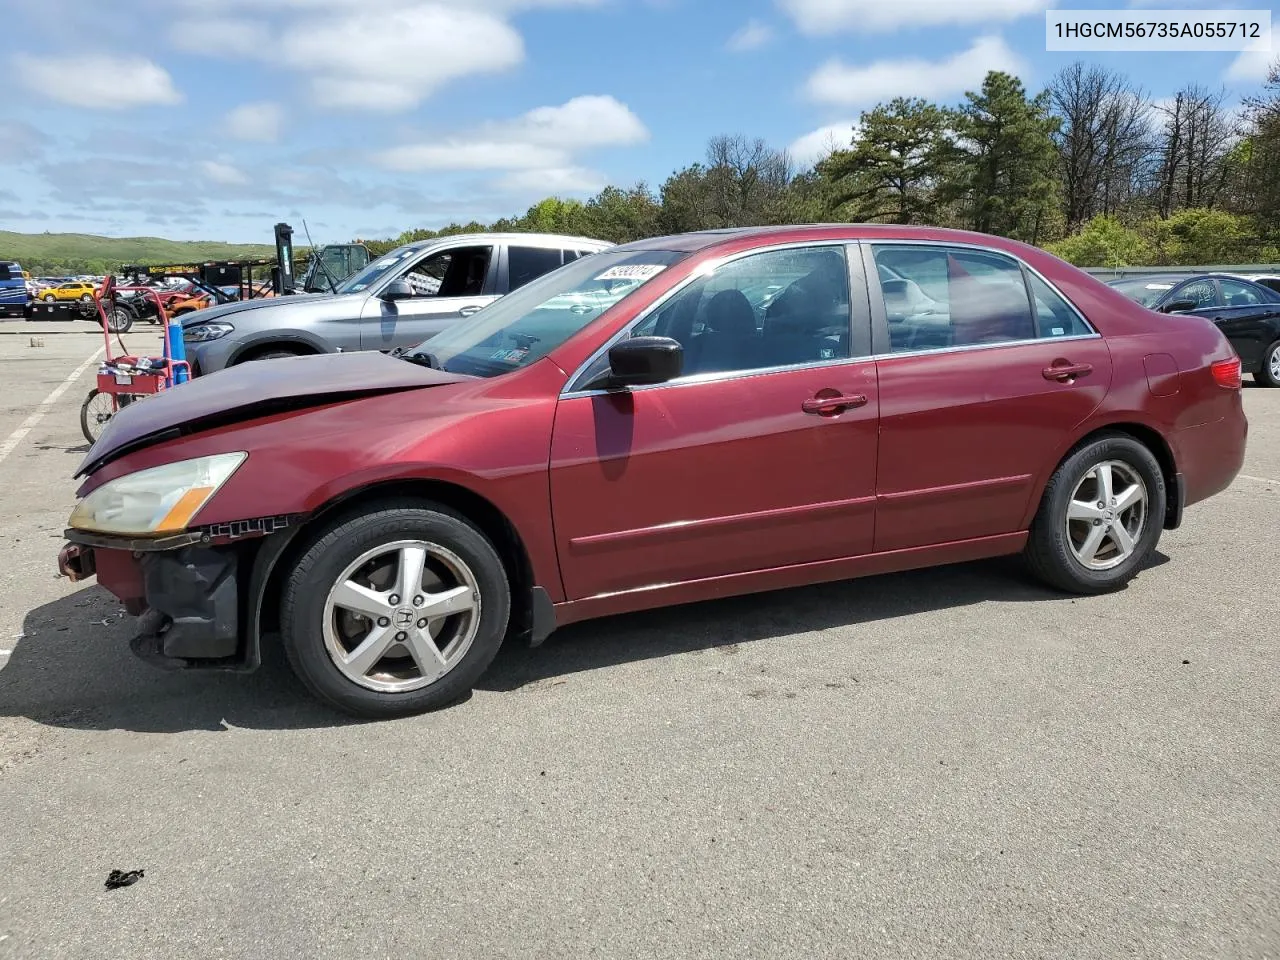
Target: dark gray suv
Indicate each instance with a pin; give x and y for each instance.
(400, 299)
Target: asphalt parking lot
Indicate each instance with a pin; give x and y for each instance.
(952, 763)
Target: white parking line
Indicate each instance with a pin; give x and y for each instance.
(37, 415)
(1245, 476)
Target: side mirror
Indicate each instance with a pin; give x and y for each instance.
(1180, 306)
(398, 290)
(645, 360)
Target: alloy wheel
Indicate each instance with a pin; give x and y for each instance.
(1107, 515)
(401, 616)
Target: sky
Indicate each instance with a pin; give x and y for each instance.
(214, 119)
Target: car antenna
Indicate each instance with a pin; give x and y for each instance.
(333, 284)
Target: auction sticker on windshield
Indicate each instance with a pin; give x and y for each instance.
(633, 271)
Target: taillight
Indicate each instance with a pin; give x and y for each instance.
(1227, 373)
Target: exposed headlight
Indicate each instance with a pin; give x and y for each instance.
(158, 500)
(202, 332)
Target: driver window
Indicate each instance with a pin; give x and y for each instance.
(1201, 291)
(773, 309)
(458, 272)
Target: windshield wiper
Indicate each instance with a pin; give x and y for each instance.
(421, 358)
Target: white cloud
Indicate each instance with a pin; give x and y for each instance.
(870, 16)
(585, 121)
(255, 121)
(553, 181)
(821, 143)
(455, 154)
(750, 36)
(220, 36)
(839, 83)
(97, 81)
(224, 173)
(542, 139)
(1250, 67)
(390, 59)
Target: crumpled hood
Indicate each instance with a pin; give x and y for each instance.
(341, 306)
(256, 389)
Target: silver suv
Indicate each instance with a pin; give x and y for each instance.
(400, 299)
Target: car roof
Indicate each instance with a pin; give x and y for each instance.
(537, 239)
(705, 239)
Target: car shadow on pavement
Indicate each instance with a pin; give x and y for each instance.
(72, 667)
(607, 642)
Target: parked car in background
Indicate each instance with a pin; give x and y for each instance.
(71, 290)
(398, 300)
(14, 295)
(1247, 312)
(1270, 281)
(652, 425)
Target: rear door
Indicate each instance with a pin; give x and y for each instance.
(984, 370)
(449, 283)
(1246, 316)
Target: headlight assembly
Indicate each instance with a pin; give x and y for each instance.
(157, 500)
(204, 332)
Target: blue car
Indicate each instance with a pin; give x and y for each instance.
(13, 290)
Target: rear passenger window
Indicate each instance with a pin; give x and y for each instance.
(570, 255)
(1054, 316)
(529, 263)
(937, 297)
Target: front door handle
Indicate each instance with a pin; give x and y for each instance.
(827, 405)
(468, 311)
(1064, 372)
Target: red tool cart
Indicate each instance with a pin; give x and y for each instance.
(124, 378)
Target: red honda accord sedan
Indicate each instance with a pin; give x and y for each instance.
(668, 421)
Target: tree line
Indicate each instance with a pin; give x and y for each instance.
(1091, 167)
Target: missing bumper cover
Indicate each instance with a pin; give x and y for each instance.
(193, 594)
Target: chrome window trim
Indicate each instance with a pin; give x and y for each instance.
(860, 243)
(711, 266)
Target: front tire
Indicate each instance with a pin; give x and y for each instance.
(50, 298)
(394, 611)
(1100, 517)
(1268, 374)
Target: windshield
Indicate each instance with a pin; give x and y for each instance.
(526, 325)
(376, 270)
(1146, 292)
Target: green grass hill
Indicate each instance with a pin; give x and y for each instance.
(76, 253)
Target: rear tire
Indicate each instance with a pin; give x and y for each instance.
(1268, 374)
(419, 654)
(1080, 547)
(119, 320)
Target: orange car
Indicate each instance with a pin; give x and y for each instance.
(201, 300)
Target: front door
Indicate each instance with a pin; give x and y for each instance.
(448, 285)
(762, 454)
(988, 371)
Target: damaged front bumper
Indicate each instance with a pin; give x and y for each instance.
(185, 592)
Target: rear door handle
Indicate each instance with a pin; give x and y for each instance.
(826, 406)
(1067, 371)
